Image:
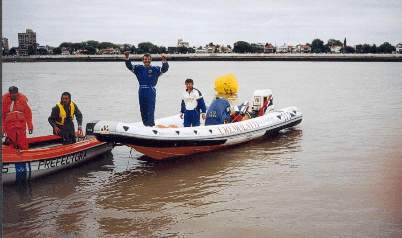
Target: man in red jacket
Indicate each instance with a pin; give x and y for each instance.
(16, 115)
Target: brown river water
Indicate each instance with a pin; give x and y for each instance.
(337, 174)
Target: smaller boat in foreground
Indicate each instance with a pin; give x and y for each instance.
(47, 154)
(162, 142)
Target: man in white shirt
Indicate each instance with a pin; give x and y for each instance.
(192, 104)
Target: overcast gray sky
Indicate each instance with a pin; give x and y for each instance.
(162, 22)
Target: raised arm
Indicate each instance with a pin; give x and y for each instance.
(165, 65)
(128, 62)
(129, 65)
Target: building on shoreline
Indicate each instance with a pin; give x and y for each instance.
(4, 45)
(201, 50)
(282, 49)
(109, 51)
(336, 49)
(304, 49)
(181, 43)
(65, 51)
(182, 47)
(269, 48)
(398, 48)
(27, 42)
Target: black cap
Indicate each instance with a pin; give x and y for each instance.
(13, 89)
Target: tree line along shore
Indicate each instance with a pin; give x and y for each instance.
(92, 47)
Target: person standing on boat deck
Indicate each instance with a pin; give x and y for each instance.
(147, 77)
(218, 112)
(191, 105)
(16, 115)
(61, 119)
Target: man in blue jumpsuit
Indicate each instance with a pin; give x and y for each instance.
(218, 112)
(147, 76)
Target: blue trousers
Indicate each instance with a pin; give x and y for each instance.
(191, 118)
(147, 105)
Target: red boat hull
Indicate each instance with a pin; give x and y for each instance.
(42, 159)
(161, 153)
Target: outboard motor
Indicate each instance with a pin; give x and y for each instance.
(89, 129)
(262, 102)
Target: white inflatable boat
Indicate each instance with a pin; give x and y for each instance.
(170, 139)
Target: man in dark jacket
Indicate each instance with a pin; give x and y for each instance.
(147, 76)
(218, 112)
(62, 117)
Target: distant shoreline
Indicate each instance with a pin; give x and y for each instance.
(212, 57)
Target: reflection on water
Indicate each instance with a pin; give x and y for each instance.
(40, 202)
(120, 202)
(186, 188)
